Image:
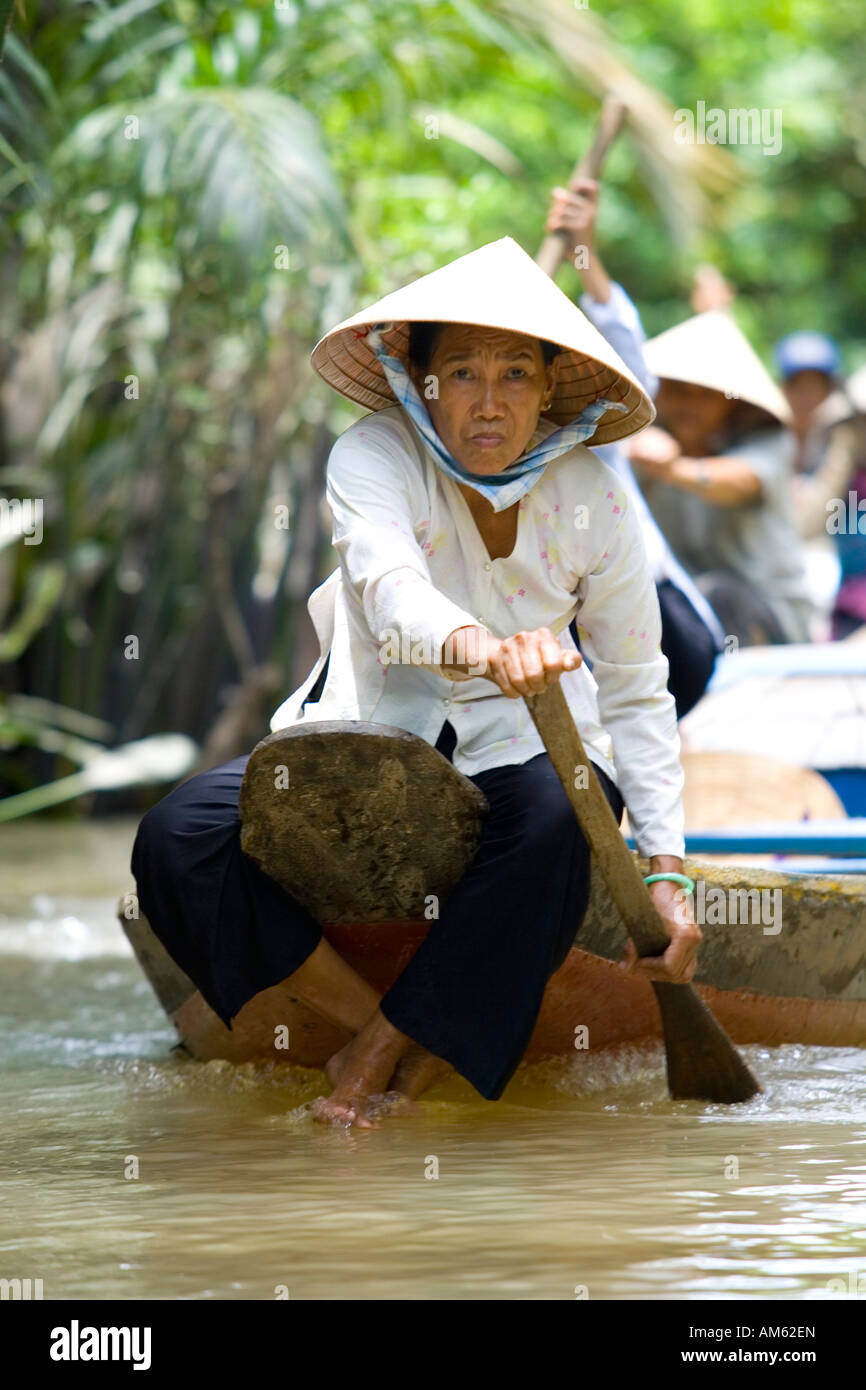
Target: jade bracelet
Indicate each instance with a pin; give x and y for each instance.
(688, 884)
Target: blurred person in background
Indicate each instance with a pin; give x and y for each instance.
(692, 635)
(830, 495)
(809, 365)
(716, 471)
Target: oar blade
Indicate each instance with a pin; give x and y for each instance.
(702, 1062)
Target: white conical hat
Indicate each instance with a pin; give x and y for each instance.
(497, 286)
(710, 350)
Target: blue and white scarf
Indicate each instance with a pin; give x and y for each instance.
(508, 486)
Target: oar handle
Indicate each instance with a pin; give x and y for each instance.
(555, 247)
(702, 1063)
(558, 732)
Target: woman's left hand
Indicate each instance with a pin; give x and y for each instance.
(680, 960)
(573, 210)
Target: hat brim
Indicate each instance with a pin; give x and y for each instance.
(498, 286)
(344, 361)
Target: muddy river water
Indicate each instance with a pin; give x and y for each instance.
(129, 1171)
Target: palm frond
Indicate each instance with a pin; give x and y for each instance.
(680, 177)
(472, 137)
(251, 160)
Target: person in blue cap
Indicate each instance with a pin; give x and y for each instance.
(830, 500)
(829, 487)
(809, 365)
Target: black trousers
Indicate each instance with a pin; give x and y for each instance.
(688, 645)
(472, 991)
(742, 611)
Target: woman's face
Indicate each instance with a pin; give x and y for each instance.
(484, 390)
(694, 415)
(805, 391)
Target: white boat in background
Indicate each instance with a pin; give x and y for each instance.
(801, 704)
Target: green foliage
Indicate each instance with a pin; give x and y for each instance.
(194, 192)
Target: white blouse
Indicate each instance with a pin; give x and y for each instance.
(413, 567)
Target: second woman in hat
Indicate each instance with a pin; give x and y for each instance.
(717, 474)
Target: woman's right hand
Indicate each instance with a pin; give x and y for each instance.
(524, 664)
(653, 450)
(528, 662)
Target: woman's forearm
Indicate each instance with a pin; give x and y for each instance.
(666, 864)
(465, 651)
(726, 482)
(596, 281)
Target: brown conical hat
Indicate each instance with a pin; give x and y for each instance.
(724, 790)
(497, 286)
(710, 350)
(729, 789)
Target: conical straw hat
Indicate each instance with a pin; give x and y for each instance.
(730, 789)
(710, 350)
(497, 286)
(723, 790)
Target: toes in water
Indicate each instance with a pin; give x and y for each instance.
(329, 1111)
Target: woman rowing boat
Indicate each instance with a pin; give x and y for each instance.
(717, 473)
(471, 524)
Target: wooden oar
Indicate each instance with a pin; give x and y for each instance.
(556, 246)
(702, 1063)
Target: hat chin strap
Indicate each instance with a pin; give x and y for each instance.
(501, 489)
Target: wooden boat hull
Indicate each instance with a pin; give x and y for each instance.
(364, 822)
(805, 983)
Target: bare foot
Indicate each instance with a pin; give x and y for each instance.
(417, 1070)
(359, 1071)
(389, 1105)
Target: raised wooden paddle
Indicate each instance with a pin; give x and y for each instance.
(702, 1062)
(556, 245)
